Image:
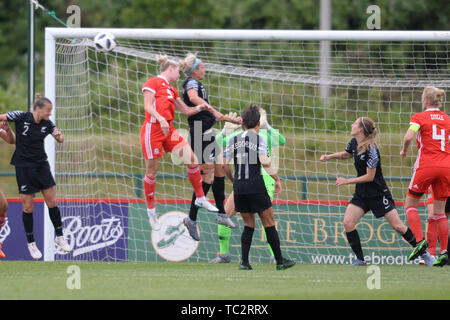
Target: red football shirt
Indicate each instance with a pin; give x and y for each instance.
(432, 139)
(165, 95)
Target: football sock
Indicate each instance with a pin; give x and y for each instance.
(224, 234)
(268, 244)
(195, 178)
(246, 242)
(274, 242)
(55, 217)
(355, 243)
(409, 236)
(414, 222)
(432, 235)
(149, 189)
(194, 209)
(27, 219)
(218, 188)
(443, 231)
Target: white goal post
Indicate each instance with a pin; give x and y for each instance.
(373, 73)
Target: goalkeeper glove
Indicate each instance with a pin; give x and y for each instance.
(229, 127)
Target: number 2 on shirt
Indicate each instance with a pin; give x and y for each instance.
(26, 128)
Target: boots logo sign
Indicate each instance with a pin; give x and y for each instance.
(84, 238)
(170, 238)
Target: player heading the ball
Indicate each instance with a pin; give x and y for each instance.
(158, 134)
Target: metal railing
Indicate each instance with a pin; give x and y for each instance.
(137, 177)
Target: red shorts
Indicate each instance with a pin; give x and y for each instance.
(423, 178)
(153, 141)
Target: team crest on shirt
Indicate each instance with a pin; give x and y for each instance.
(156, 151)
(362, 157)
(43, 129)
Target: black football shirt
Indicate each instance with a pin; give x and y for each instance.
(369, 159)
(245, 149)
(30, 137)
(206, 118)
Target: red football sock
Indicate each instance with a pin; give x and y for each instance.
(149, 189)
(432, 235)
(195, 177)
(443, 230)
(414, 222)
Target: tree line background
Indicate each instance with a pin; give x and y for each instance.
(217, 14)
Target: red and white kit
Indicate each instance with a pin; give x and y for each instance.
(432, 165)
(153, 141)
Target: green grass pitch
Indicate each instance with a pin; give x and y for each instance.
(203, 281)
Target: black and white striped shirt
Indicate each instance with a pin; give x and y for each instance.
(369, 159)
(205, 117)
(245, 149)
(30, 137)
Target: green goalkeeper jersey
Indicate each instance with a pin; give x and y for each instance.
(274, 139)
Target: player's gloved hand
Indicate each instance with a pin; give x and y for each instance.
(229, 127)
(263, 120)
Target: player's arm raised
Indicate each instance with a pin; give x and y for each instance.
(337, 155)
(187, 111)
(7, 134)
(195, 99)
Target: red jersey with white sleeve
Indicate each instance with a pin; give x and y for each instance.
(432, 139)
(165, 96)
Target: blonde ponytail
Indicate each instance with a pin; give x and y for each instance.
(370, 133)
(187, 65)
(164, 62)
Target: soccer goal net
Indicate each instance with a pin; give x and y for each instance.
(313, 86)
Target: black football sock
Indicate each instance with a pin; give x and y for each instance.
(194, 210)
(55, 217)
(274, 241)
(409, 236)
(218, 188)
(246, 242)
(27, 219)
(355, 243)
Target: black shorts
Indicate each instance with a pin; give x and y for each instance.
(378, 205)
(31, 180)
(206, 147)
(253, 203)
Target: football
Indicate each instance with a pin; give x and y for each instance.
(105, 41)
